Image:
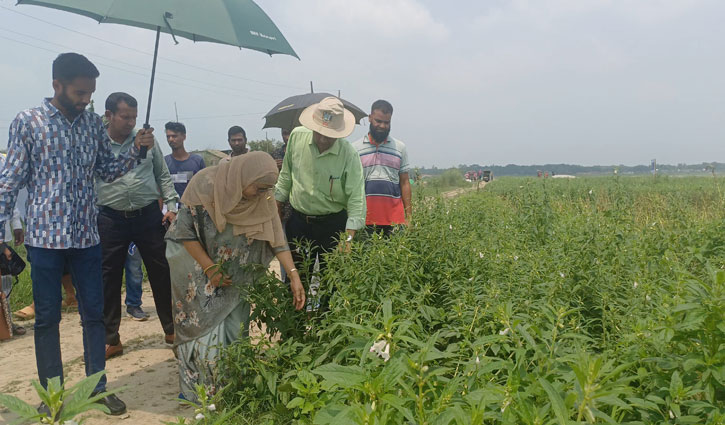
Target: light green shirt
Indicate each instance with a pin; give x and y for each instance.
(146, 183)
(317, 183)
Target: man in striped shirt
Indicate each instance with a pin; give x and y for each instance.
(385, 170)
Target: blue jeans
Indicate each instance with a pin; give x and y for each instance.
(134, 277)
(46, 271)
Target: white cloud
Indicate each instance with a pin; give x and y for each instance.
(396, 19)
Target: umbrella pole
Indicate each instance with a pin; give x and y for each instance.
(146, 125)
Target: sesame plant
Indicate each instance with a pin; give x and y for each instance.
(533, 301)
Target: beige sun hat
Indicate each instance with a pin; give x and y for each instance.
(329, 118)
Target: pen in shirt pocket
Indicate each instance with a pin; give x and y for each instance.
(332, 180)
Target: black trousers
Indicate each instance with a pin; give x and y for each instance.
(322, 232)
(142, 227)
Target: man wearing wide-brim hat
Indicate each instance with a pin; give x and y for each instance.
(322, 179)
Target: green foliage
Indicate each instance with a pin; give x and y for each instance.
(64, 404)
(531, 302)
(264, 145)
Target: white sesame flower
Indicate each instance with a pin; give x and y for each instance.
(672, 415)
(516, 257)
(450, 227)
(635, 284)
(478, 361)
(386, 353)
(378, 346)
(505, 331)
(199, 416)
(470, 280)
(382, 349)
(648, 298)
(211, 407)
(562, 274)
(591, 191)
(424, 369)
(480, 255)
(372, 407)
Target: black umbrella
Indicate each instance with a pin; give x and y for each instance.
(286, 114)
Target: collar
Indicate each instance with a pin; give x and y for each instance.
(52, 111)
(131, 137)
(334, 149)
(369, 139)
(48, 107)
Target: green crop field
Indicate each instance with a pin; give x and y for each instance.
(534, 301)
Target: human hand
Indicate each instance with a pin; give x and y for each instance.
(168, 218)
(19, 235)
(346, 245)
(298, 291)
(217, 278)
(145, 137)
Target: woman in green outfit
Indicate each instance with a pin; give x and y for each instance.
(229, 217)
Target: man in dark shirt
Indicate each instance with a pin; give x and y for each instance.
(237, 141)
(182, 164)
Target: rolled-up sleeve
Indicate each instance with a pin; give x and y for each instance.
(355, 188)
(14, 175)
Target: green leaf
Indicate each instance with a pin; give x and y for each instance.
(295, 402)
(557, 403)
(19, 407)
(344, 376)
(399, 405)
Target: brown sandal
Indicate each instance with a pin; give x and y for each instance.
(25, 313)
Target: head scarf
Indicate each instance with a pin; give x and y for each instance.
(219, 190)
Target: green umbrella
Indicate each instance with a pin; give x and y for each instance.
(238, 23)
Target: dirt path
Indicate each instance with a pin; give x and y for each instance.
(453, 193)
(147, 368)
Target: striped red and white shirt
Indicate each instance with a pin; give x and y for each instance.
(382, 166)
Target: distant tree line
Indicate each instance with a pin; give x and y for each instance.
(582, 170)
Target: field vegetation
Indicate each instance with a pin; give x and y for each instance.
(533, 301)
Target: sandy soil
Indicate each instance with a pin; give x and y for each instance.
(147, 369)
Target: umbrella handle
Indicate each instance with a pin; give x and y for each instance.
(146, 125)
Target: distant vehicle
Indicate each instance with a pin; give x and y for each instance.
(487, 175)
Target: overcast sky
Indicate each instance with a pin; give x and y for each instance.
(480, 81)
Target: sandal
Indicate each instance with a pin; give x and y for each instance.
(26, 313)
(18, 330)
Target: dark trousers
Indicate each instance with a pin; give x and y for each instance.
(322, 232)
(117, 231)
(47, 268)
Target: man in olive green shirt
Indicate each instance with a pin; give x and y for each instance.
(129, 211)
(322, 179)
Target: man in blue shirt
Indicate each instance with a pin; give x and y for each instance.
(182, 164)
(56, 150)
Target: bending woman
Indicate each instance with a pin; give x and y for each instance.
(228, 217)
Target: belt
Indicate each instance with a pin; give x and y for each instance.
(133, 213)
(317, 218)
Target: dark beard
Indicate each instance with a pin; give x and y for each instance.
(379, 136)
(70, 108)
